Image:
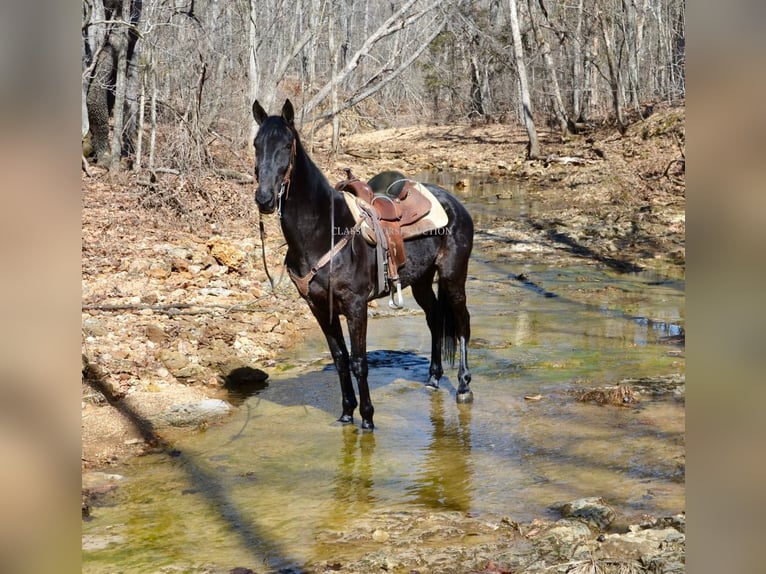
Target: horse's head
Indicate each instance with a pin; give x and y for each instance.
(274, 155)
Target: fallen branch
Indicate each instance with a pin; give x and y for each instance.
(362, 154)
(169, 170)
(173, 308)
(234, 175)
(680, 160)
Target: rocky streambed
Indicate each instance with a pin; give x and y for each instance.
(177, 304)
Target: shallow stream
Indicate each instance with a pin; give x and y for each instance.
(268, 488)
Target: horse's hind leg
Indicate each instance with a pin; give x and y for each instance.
(424, 295)
(454, 289)
(333, 332)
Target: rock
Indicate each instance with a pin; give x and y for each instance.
(565, 535)
(644, 544)
(190, 373)
(194, 414)
(268, 324)
(179, 265)
(93, 542)
(244, 376)
(100, 480)
(179, 253)
(158, 273)
(139, 265)
(593, 511)
(155, 333)
(215, 291)
(226, 253)
(150, 298)
(173, 360)
(92, 326)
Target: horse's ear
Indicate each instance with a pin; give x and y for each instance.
(259, 113)
(287, 112)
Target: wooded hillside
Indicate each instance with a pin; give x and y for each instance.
(163, 79)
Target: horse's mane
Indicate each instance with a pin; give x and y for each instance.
(313, 169)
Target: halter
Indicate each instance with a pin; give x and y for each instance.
(284, 187)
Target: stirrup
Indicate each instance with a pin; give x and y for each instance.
(399, 303)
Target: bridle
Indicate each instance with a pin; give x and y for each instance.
(284, 189)
(284, 186)
(302, 282)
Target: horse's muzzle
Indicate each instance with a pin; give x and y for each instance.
(265, 202)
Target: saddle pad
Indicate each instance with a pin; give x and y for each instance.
(435, 219)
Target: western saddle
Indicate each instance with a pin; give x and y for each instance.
(388, 211)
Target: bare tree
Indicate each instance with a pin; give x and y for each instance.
(109, 39)
(192, 69)
(607, 26)
(120, 43)
(565, 124)
(533, 149)
(400, 19)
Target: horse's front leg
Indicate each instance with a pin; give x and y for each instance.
(357, 329)
(333, 332)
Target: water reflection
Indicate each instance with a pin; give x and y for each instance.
(444, 481)
(353, 483)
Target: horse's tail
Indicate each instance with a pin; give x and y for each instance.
(448, 325)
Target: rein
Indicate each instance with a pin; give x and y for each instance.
(302, 283)
(263, 257)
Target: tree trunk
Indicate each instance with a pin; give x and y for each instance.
(140, 127)
(130, 125)
(98, 105)
(120, 42)
(633, 34)
(565, 124)
(252, 67)
(592, 95)
(607, 34)
(679, 55)
(477, 99)
(533, 149)
(578, 80)
(153, 110)
(331, 44)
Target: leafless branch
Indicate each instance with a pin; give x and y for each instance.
(175, 308)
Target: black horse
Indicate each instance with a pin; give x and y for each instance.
(334, 268)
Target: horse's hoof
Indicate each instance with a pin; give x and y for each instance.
(346, 419)
(367, 425)
(465, 398)
(432, 384)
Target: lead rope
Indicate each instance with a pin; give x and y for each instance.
(263, 258)
(332, 246)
